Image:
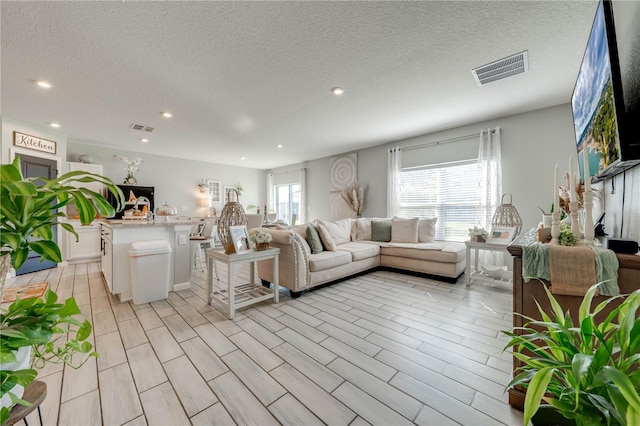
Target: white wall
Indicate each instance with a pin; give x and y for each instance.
(175, 180)
(531, 144)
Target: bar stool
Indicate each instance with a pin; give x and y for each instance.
(34, 393)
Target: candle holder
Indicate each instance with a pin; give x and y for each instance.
(588, 217)
(555, 228)
(575, 225)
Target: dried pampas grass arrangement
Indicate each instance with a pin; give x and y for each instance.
(565, 198)
(353, 195)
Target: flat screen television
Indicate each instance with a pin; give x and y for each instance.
(605, 107)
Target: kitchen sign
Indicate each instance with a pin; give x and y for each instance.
(31, 142)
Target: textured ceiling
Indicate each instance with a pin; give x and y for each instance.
(241, 77)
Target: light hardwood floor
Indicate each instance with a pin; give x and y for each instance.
(383, 348)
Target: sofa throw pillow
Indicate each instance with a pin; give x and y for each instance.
(381, 231)
(427, 230)
(404, 230)
(327, 240)
(339, 230)
(313, 238)
(362, 227)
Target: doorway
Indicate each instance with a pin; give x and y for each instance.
(38, 167)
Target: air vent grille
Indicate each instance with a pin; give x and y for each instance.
(141, 128)
(498, 70)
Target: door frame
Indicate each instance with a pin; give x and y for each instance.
(13, 152)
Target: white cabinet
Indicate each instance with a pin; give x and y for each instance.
(106, 262)
(91, 168)
(87, 248)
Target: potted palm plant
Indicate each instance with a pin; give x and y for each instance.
(587, 372)
(43, 328)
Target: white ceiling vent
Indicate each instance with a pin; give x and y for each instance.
(507, 67)
(141, 127)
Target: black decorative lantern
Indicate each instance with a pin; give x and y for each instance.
(232, 215)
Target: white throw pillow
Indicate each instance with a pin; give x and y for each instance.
(327, 240)
(404, 230)
(340, 230)
(427, 230)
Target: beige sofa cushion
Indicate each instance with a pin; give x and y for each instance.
(360, 251)
(437, 251)
(404, 230)
(328, 259)
(427, 230)
(339, 230)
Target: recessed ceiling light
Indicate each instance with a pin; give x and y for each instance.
(44, 84)
(279, 145)
(56, 125)
(144, 140)
(167, 114)
(243, 158)
(337, 90)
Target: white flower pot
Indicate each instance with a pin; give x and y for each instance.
(23, 356)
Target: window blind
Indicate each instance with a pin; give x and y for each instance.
(447, 191)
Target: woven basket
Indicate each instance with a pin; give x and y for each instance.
(507, 215)
(232, 215)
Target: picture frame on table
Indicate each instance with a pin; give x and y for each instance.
(240, 238)
(501, 235)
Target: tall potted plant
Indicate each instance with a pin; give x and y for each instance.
(44, 328)
(588, 372)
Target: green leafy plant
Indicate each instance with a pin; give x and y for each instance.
(566, 236)
(28, 209)
(563, 214)
(588, 372)
(52, 331)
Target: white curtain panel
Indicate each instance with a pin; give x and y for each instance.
(302, 214)
(394, 167)
(490, 163)
(270, 193)
(490, 187)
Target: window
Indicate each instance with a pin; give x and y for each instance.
(287, 200)
(447, 191)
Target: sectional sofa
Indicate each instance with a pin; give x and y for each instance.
(353, 246)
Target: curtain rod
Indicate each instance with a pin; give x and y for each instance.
(456, 139)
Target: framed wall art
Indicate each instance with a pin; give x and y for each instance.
(215, 193)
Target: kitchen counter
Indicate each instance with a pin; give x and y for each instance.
(116, 239)
(139, 223)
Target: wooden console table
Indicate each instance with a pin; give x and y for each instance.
(524, 294)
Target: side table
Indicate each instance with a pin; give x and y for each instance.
(34, 393)
(240, 295)
(477, 273)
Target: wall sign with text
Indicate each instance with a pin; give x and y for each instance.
(32, 142)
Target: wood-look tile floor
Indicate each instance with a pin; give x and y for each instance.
(383, 348)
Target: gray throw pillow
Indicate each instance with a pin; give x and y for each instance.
(380, 231)
(313, 238)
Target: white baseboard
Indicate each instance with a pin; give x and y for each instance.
(182, 286)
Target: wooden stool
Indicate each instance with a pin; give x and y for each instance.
(34, 393)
